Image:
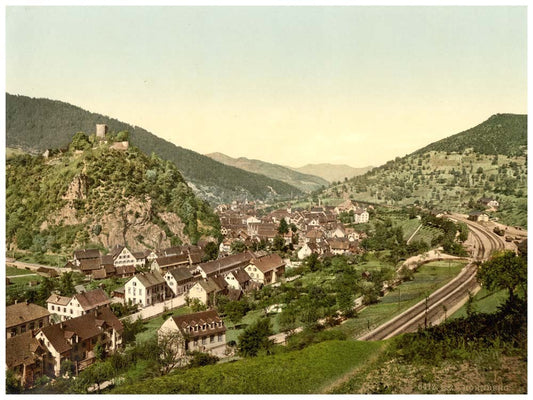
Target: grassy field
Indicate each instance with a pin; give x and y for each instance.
(24, 280)
(11, 271)
(427, 279)
(484, 301)
(306, 371)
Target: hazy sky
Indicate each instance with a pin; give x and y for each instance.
(290, 85)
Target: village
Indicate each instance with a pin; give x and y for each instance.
(256, 250)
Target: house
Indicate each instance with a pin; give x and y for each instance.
(339, 232)
(266, 270)
(205, 291)
(76, 338)
(225, 264)
(489, 202)
(25, 357)
(478, 216)
(86, 254)
(307, 249)
(345, 206)
(125, 271)
(25, 317)
(77, 305)
(202, 331)
(238, 280)
(361, 216)
(122, 256)
(47, 272)
(339, 246)
(105, 271)
(179, 280)
(146, 289)
(163, 264)
(314, 235)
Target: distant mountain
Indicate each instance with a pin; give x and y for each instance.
(39, 124)
(489, 160)
(304, 182)
(332, 172)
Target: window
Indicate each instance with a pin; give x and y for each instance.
(64, 309)
(134, 283)
(71, 311)
(32, 325)
(41, 323)
(53, 308)
(23, 329)
(13, 332)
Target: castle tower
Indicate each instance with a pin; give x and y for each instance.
(101, 130)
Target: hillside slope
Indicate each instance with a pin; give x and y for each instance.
(93, 194)
(304, 182)
(39, 124)
(332, 172)
(452, 175)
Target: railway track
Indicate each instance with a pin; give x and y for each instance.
(434, 307)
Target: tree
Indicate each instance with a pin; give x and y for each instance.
(170, 349)
(288, 318)
(283, 227)
(66, 284)
(236, 310)
(278, 244)
(211, 251)
(312, 262)
(199, 359)
(505, 270)
(237, 247)
(80, 141)
(13, 385)
(255, 338)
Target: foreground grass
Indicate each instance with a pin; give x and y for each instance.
(304, 371)
(12, 271)
(427, 279)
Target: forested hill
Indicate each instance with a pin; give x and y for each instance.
(504, 134)
(489, 160)
(94, 194)
(39, 124)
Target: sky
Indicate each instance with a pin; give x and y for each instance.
(289, 85)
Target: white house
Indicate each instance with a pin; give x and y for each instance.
(202, 331)
(77, 305)
(266, 270)
(238, 280)
(122, 256)
(361, 216)
(205, 291)
(179, 280)
(145, 289)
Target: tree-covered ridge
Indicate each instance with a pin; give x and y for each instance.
(504, 134)
(453, 180)
(39, 124)
(65, 200)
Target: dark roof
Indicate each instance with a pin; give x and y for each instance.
(210, 286)
(168, 261)
(220, 281)
(226, 263)
(149, 279)
(183, 322)
(241, 276)
(20, 313)
(22, 349)
(87, 326)
(234, 294)
(86, 253)
(181, 274)
(107, 260)
(90, 264)
(91, 299)
(99, 274)
(116, 250)
(268, 263)
(125, 269)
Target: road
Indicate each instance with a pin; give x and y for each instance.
(35, 267)
(432, 310)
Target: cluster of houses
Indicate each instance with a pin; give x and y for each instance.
(36, 346)
(318, 229)
(231, 275)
